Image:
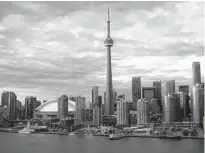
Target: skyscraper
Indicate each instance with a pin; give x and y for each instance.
(169, 87)
(96, 116)
(30, 105)
(158, 91)
(9, 99)
(184, 105)
(142, 111)
(18, 109)
(63, 107)
(198, 103)
(80, 110)
(136, 91)
(196, 73)
(184, 89)
(149, 93)
(95, 95)
(99, 100)
(122, 112)
(109, 105)
(172, 112)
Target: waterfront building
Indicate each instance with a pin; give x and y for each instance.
(184, 105)
(80, 110)
(109, 103)
(169, 87)
(49, 109)
(142, 111)
(4, 112)
(97, 116)
(18, 109)
(136, 91)
(122, 112)
(30, 105)
(9, 99)
(197, 112)
(172, 112)
(196, 73)
(63, 107)
(89, 115)
(95, 95)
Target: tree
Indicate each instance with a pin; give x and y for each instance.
(185, 132)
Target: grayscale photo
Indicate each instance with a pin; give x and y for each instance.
(102, 77)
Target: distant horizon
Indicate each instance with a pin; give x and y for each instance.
(49, 49)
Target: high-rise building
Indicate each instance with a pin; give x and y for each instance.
(149, 93)
(136, 91)
(97, 116)
(142, 111)
(172, 112)
(109, 105)
(114, 96)
(169, 87)
(89, 115)
(184, 105)
(104, 98)
(184, 89)
(18, 109)
(9, 99)
(99, 100)
(158, 91)
(72, 98)
(63, 107)
(95, 95)
(197, 112)
(155, 107)
(196, 73)
(30, 105)
(80, 110)
(122, 112)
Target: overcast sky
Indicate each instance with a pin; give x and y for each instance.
(52, 48)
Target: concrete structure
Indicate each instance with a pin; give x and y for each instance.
(114, 96)
(89, 115)
(196, 73)
(9, 99)
(142, 111)
(62, 107)
(97, 116)
(172, 111)
(184, 105)
(136, 91)
(122, 112)
(49, 109)
(198, 103)
(30, 105)
(4, 112)
(169, 87)
(109, 105)
(18, 109)
(95, 96)
(80, 110)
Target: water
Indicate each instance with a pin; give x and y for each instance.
(39, 143)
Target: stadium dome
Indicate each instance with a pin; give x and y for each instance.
(52, 106)
(50, 109)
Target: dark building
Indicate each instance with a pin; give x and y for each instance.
(157, 86)
(148, 93)
(184, 89)
(30, 105)
(136, 91)
(99, 100)
(89, 115)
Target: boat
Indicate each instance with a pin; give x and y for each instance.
(170, 137)
(115, 136)
(63, 132)
(27, 129)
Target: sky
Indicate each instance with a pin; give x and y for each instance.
(48, 49)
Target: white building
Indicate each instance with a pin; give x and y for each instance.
(122, 112)
(142, 111)
(80, 110)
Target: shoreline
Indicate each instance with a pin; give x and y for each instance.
(106, 135)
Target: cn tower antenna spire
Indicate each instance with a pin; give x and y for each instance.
(108, 13)
(108, 21)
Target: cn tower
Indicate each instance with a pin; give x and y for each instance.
(109, 103)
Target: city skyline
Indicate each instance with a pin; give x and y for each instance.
(46, 56)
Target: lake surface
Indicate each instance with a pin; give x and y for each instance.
(39, 143)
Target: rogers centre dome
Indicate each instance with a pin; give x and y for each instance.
(49, 109)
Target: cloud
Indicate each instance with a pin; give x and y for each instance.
(52, 48)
